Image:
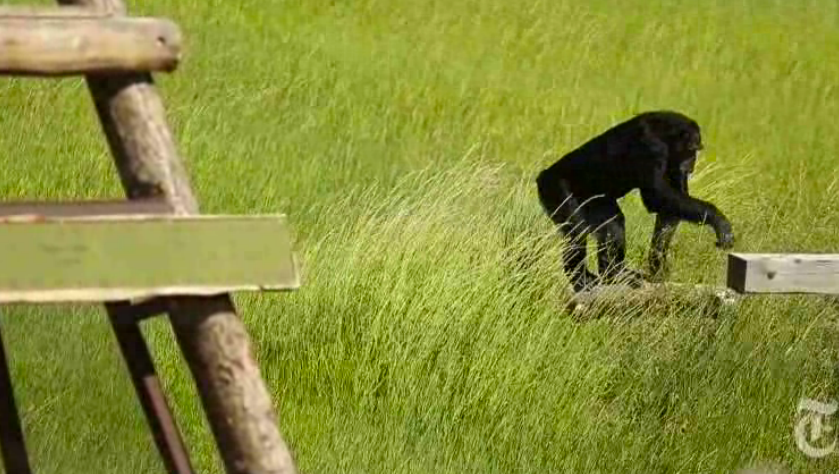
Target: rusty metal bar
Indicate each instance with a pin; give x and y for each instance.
(12, 445)
(141, 366)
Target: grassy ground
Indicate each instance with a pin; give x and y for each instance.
(402, 139)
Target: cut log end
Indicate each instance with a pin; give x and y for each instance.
(811, 273)
(622, 300)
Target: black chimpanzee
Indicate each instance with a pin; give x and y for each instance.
(654, 152)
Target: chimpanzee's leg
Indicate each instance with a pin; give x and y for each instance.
(574, 257)
(564, 210)
(609, 224)
(605, 216)
(665, 227)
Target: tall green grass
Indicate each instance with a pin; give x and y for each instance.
(430, 335)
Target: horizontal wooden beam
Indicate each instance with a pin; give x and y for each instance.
(80, 45)
(115, 258)
(83, 208)
(783, 273)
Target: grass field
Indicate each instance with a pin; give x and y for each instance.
(402, 140)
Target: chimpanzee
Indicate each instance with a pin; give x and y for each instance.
(654, 152)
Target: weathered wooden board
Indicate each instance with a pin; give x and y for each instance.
(783, 273)
(112, 258)
(57, 46)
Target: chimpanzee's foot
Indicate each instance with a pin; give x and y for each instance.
(658, 270)
(584, 281)
(633, 278)
(625, 276)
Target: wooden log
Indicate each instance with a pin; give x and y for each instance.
(211, 335)
(118, 258)
(79, 45)
(622, 300)
(784, 273)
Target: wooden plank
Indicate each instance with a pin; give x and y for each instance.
(83, 208)
(783, 273)
(239, 407)
(116, 258)
(78, 45)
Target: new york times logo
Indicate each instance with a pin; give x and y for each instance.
(812, 434)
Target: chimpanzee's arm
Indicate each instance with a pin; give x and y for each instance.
(665, 228)
(663, 232)
(660, 197)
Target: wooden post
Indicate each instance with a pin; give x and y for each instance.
(212, 337)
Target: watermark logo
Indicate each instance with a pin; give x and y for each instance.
(811, 429)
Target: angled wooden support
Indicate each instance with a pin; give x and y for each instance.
(140, 365)
(784, 273)
(149, 256)
(12, 443)
(77, 44)
(211, 335)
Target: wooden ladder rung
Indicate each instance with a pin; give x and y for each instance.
(40, 45)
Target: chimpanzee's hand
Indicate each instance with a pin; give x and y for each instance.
(725, 236)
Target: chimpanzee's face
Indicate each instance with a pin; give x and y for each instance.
(686, 167)
(688, 143)
(685, 150)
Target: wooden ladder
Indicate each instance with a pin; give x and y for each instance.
(149, 255)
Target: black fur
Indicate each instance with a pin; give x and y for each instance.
(654, 152)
